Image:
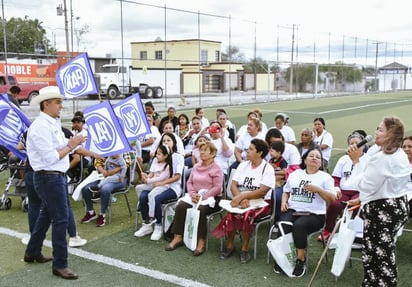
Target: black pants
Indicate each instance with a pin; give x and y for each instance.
(303, 225)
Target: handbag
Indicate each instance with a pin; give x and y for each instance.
(344, 241)
(93, 176)
(191, 226)
(283, 250)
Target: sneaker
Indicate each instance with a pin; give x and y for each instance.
(94, 188)
(3, 166)
(226, 253)
(277, 269)
(326, 235)
(88, 217)
(244, 257)
(151, 220)
(25, 240)
(77, 241)
(73, 180)
(101, 221)
(157, 233)
(300, 268)
(146, 229)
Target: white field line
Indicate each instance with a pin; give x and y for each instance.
(333, 111)
(114, 262)
(363, 106)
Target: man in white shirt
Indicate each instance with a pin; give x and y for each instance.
(48, 151)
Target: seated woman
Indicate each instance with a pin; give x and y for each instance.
(306, 141)
(206, 180)
(306, 194)
(227, 125)
(253, 179)
(183, 127)
(89, 190)
(225, 148)
(196, 149)
(281, 121)
(190, 138)
(345, 190)
(167, 128)
(173, 191)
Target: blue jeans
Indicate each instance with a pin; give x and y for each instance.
(189, 162)
(279, 193)
(35, 204)
(105, 192)
(52, 190)
(34, 200)
(144, 207)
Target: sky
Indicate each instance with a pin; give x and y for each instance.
(324, 31)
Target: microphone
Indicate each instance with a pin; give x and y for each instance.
(367, 139)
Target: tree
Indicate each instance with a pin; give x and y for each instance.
(233, 54)
(344, 72)
(22, 35)
(302, 75)
(305, 74)
(257, 65)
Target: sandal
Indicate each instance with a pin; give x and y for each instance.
(173, 247)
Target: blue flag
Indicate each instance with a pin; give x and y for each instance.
(106, 136)
(13, 124)
(132, 117)
(76, 78)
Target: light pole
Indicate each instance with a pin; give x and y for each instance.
(3, 20)
(72, 25)
(63, 11)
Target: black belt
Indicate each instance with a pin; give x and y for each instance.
(55, 172)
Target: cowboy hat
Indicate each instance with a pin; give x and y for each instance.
(47, 93)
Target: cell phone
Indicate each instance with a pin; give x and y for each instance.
(344, 203)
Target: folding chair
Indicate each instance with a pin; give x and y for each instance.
(274, 230)
(172, 202)
(211, 216)
(268, 219)
(124, 190)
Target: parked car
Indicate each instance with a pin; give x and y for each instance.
(28, 90)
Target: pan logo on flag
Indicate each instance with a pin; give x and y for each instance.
(75, 80)
(130, 117)
(102, 132)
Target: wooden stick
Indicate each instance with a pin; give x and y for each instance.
(325, 250)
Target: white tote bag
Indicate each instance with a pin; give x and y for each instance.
(345, 239)
(191, 226)
(169, 217)
(283, 250)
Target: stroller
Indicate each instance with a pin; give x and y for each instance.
(15, 182)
